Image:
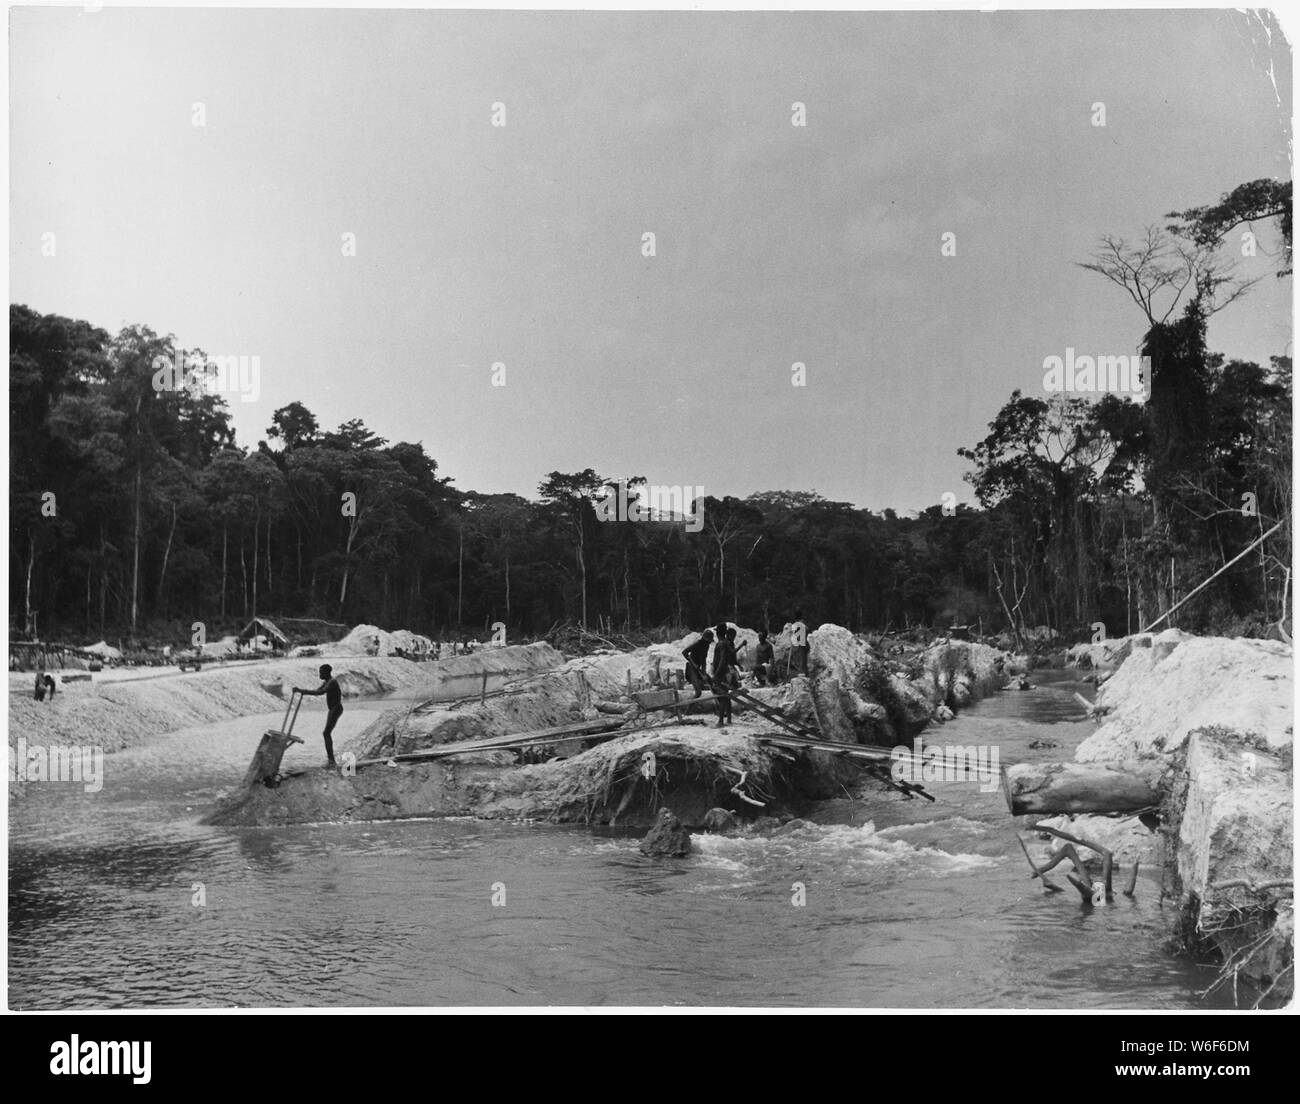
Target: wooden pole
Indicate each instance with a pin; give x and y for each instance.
(1191, 594)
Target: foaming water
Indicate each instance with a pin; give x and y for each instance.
(834, 849)
(902, 904)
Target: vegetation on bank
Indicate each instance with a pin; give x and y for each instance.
(1089, 511)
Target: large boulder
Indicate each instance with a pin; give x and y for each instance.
(836, 653)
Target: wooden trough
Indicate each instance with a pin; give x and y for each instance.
(274, 743)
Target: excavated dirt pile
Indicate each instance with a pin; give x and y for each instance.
(851, 695)
(121, 714)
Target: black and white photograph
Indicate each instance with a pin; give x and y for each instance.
(672, 510)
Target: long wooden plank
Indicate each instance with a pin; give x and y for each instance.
(860, 751)
(774, 715)
(681, 703)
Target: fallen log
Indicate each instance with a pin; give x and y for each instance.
(1045, 788)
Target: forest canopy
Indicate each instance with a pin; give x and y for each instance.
(134, 511)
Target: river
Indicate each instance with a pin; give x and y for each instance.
(907, 904)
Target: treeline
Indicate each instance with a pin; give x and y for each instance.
(134, 512)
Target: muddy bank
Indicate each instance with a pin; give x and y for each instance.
(624, 781)
(374, 793)
(851, 695)
(1212, 719)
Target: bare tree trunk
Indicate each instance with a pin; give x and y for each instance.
(135, 555)
(1263, 570)
(460, 574)
(582, 574)
(162, 577)
(225, 540)
(627, 591)
(31, 559)
(347, 562)
(257, 517)
(103, 581)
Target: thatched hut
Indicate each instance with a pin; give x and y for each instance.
(260, 626)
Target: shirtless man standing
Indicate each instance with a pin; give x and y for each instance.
(333, 703)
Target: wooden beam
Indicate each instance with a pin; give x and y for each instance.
(856, 751)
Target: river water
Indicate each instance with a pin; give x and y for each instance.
(907, 904)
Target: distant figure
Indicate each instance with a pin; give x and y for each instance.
(44, 683)
(333, 704)
(437, 650)
(799, 647)
(696, 656)
(167, 653)
(764, 657)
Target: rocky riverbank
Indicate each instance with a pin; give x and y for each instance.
(1211, 719)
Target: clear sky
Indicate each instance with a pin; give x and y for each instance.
(522, 244)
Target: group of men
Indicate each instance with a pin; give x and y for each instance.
(723, 675)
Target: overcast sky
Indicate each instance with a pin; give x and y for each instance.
(522, 244)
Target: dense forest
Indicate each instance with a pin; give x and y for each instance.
(134, 511)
